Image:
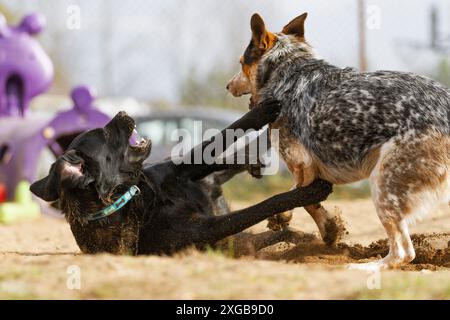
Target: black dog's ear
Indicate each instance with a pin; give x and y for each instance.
(47, 188)
(67, 171)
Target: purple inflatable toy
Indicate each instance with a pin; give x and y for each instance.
(26, 71)
(25, 68)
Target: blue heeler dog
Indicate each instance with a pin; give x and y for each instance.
(343, 126)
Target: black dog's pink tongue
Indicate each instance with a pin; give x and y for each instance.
(136, 138)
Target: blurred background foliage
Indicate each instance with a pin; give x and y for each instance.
(215, 95)
(248, 189)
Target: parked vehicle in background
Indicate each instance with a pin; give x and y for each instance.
(161, 126)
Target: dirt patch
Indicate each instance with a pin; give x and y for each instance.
(432, 250)
(35, 257)
(335, 229)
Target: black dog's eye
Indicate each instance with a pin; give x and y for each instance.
(71, 157)
(108, 158)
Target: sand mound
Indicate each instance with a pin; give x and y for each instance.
(432, 250)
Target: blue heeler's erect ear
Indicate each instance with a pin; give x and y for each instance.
(261, 38)
(296, 27)
(258, 30)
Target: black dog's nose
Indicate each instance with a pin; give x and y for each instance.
(228, 86)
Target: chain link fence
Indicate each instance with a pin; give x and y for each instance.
(183, 52)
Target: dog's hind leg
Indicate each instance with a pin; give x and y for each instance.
(331, 226)
(214, 228)
(410, 179)
(303, 178)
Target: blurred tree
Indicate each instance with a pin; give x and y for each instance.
(442, 73)
(8, 15)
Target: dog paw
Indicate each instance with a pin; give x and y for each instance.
(334, 229)
(314, 193)
(270, 109)
(255, 170)
(280, 221)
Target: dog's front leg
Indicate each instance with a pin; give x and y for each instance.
(264, 113)
(229, 168)
(196, 167)
(214, 228)
(304, 175)
(330, 224)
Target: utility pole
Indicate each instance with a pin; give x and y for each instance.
(362, 36)
(433, 28)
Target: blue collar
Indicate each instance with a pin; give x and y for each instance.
(117, 205)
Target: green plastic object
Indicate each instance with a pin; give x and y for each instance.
(22, 209)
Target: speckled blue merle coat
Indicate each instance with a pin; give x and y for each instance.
(343, 126)
(341, 116)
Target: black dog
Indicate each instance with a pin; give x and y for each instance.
(177, 204)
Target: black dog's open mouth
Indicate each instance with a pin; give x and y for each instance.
(138, 146)
(140, 143)
(137, 142)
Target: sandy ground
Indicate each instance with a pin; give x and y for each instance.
(40, 259)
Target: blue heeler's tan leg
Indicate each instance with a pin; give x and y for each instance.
(330, 225)
(410, 179)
